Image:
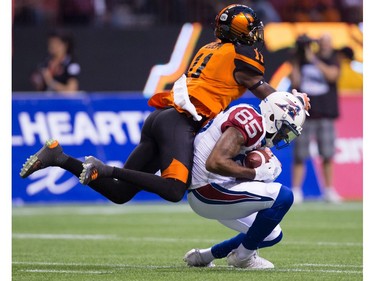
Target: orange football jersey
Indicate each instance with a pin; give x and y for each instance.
(210, 77)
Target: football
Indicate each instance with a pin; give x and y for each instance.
(256, 158)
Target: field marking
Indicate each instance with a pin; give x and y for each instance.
(322, 243)
(63, 236)
(66, 236)
(141, 208)
(103, 209)
(64, 271)
(175, 267)
(320, 270)
(95, 265)
(328, 265)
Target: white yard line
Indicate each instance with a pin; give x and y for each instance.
(328, 265)
(65, 271)
(63, 236)
(103, 209)
(138, 208)
(68, 236)
(109, 266)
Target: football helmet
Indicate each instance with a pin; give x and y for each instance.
(284, 116)
(239, 24)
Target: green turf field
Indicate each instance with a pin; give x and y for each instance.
(147, 242)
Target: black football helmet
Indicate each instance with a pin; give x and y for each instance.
(239, 24)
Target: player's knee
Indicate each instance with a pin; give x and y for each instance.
(178, 194)
(285, 198)
(176, 191)
(119, 200)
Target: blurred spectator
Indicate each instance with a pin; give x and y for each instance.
(265, 10)
(77, 11)
(351, 77)
(316, 73)
(310, 11)
(149, 12)
(34, 12)
(59, 72)
(351, 10)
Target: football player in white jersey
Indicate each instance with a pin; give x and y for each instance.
(244, 199)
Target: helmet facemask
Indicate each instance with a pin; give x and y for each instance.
(284, 135)
(284, 116)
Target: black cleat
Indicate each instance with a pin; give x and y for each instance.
(91, 168)
(47, 156)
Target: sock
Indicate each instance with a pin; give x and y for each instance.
(221, 250)
(71, 164)
(61, 159)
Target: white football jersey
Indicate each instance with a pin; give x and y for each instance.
(246, 119)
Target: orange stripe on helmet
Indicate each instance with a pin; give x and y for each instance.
(241, 22)
(176, 170)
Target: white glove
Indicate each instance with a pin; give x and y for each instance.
(305, 100)
(278, 168)
(266, 172)
(181, 98)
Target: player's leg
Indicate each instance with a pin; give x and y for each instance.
(271, 201)
(51, 154)
(326, 147)
(301, 152)
(266, 220)
(118, 191)
(174, 134)
(143, 158)
(121, 191)
(206, 257)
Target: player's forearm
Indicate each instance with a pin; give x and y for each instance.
(229, 168)
(263, 91)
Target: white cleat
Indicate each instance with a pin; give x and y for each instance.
(252, 262)
(194, 258)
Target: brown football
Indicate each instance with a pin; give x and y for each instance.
(256, 158)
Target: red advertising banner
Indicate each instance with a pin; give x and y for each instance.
(348, 160)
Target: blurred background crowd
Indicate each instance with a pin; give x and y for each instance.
(100, 34)
(124, 13)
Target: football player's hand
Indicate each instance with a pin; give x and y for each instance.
(266, 172)
(278, 168)
(304, 99)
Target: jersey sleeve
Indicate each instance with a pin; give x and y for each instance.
(248, 122)
(249, 58)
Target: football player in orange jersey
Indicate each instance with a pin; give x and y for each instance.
(219, 73)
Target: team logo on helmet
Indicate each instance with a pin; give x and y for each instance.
(290, 108)
(224, 17)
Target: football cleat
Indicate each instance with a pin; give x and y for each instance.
(252, 262)
(47, 156)
(92, 168)
(194, 258)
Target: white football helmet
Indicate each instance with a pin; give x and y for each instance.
(284, 116)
